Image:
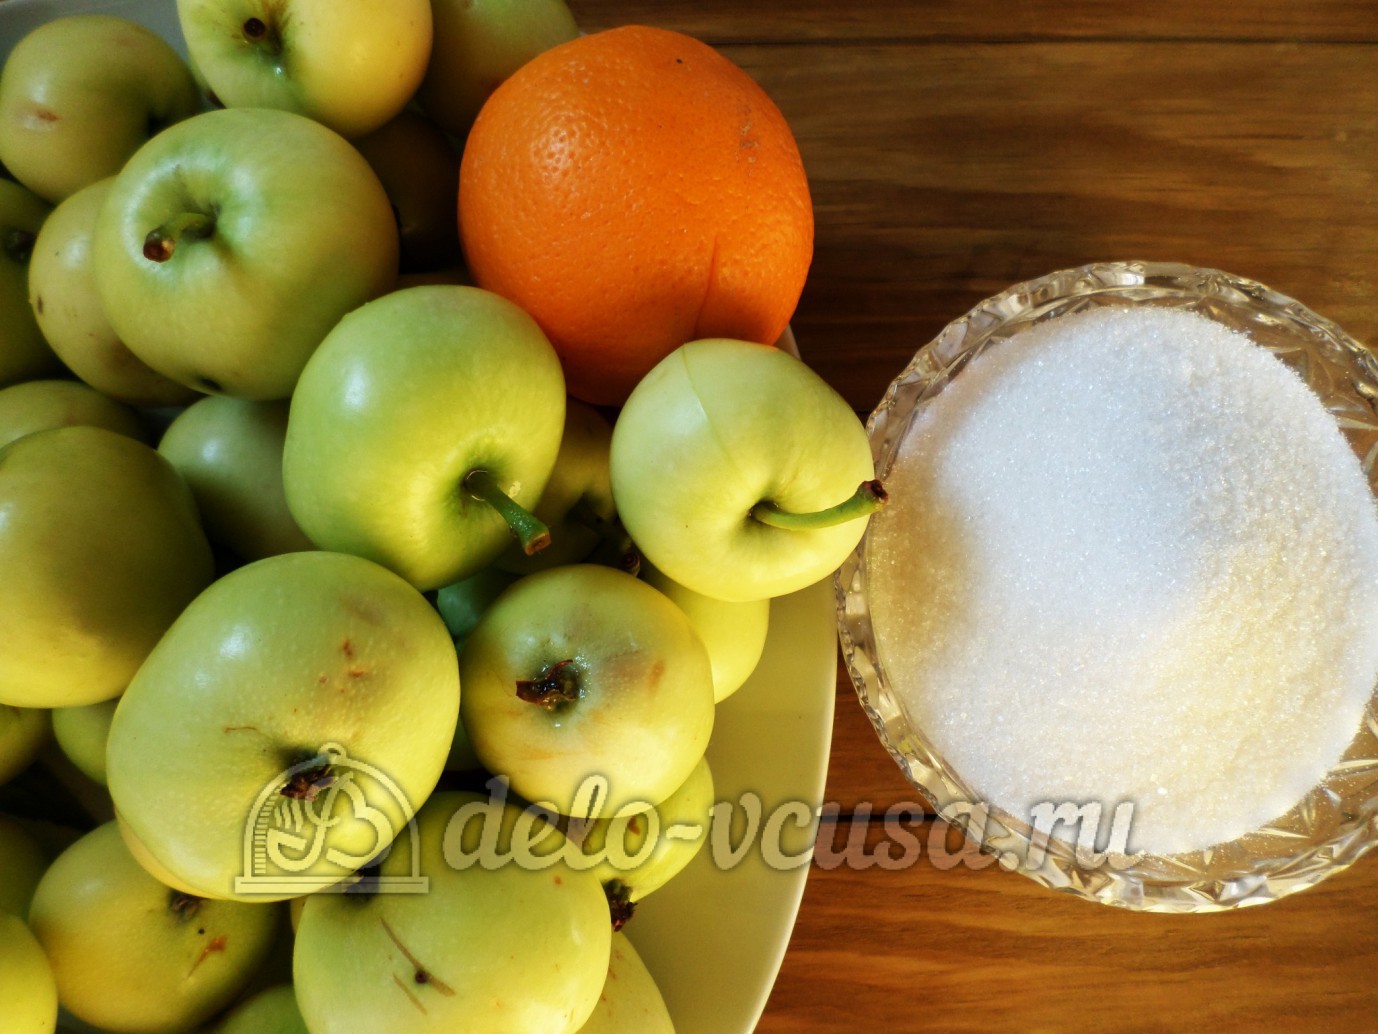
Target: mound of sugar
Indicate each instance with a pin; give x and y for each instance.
(1129, 556)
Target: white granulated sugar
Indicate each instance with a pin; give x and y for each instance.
(1129, 556)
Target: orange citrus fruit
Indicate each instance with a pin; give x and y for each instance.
(633, 190)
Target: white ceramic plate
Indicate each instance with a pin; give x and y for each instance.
(714, 938)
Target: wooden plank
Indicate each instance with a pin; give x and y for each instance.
(957, 950)
(943, 174)
(730, 21)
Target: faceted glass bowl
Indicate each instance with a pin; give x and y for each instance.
(1336, 822)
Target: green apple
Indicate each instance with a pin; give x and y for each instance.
(638, 854)
(62, 293)
(273, 1011)
(229, 451)
(736, 470)
(41, 405)
(231, 243)
(285, 728)
(24, 354)
(28, 992)
(423, 425)
(82, 733)
(130, 954)
(351, 66)
(463, 603)
(584, 671)
(508, 949)
(733, 632)
(23, 732)
(631, 1003)
(80, 94)
(419, 169)
(478, 44)
(577, 504)
(92, 577)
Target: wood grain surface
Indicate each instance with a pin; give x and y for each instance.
(953, 149)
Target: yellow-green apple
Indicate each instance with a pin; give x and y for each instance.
(22, 864)
(478, 44)
(584, 671)
(28, 992)
(424, 425)
(41, 405)
(461, 605)
(130, 954)
(82, 733)
(321, 689)
(231, 243)
(631, 1003)
(508, 949)
(62, 293)
(733, 632)
(93, 577)
(637, 854)
(271, 1011)
(229, 451)
(577, 504)
(80, 94)
(23, 733)
(419, 169)
(739, 472)
(24, 354)
(350, 65)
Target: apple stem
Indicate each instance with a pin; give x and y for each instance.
(526, 527)
(162, 242)
(17, 243)
(557, 686)
(615, 547)
(307, 783)
(184, 906)
(866, 500)
(621, 907)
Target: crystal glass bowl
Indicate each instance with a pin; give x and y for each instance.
(1338, 820)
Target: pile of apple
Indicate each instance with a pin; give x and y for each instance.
(256, 632)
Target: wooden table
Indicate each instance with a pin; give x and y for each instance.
(953, 149)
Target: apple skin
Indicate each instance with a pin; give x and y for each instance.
(717, 427)
(269, 664)
(23, 733)
(631, 1003)
(302, 233)
(419, 169)
(478, 44)
(93, 577)
(350, 64)
(580, 477)
(28, 992)
(688, 807)
(22, 864)
(41, 405)
(24, 354)
(229, 451)
(82, 733)
(733, 632)
(62, 293)
(273, 1011)
(506, 950)
(403, 399)
(128, 953)
(645, 708)
(80, 94)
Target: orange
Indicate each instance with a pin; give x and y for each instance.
(633, 190)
